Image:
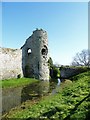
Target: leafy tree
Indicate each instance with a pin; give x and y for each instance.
(82, 58)
(50, 62)
(56, 72)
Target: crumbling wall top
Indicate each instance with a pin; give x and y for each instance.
(40, 30)
(36, 33)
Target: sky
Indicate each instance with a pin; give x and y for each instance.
(66, 24)
(45, 0)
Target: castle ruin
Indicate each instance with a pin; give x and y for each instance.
(29, 61)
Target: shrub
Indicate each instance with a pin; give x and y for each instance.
(56, 72)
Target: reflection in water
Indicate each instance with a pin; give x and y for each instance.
(59, 81)
(12, 97)
(34, 90)
(57, 86)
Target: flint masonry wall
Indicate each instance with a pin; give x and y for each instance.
(35, 55)
(10, 63)
(66, 72)
(29, 61)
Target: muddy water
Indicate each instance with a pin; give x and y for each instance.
(12, 97)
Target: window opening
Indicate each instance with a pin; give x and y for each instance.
(29, 51)
(44, 51)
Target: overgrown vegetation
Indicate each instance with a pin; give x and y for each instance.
(67, 66)
(16, 82)
(54, 71)
(70, 103)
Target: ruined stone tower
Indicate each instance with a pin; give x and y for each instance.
(35, 56)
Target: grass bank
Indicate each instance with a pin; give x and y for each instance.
(16, 82)
(71, 103)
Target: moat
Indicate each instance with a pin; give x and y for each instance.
(12, 97)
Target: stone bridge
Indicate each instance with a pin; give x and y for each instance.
(67, 72)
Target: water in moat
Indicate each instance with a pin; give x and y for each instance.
(12, 97)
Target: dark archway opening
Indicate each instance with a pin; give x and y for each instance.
(44, 50)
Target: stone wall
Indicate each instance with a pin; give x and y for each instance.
(29, 61)
(35, 55)
(67, 72)
(10, 63)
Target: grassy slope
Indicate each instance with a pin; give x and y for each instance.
(16, 82)
(72, 103)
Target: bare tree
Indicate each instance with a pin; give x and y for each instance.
(82, 59)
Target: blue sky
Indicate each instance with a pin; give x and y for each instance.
(65, 22)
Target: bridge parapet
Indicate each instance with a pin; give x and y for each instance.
(67, 72)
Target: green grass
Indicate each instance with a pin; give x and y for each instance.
(71, 103)
(16, 82)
